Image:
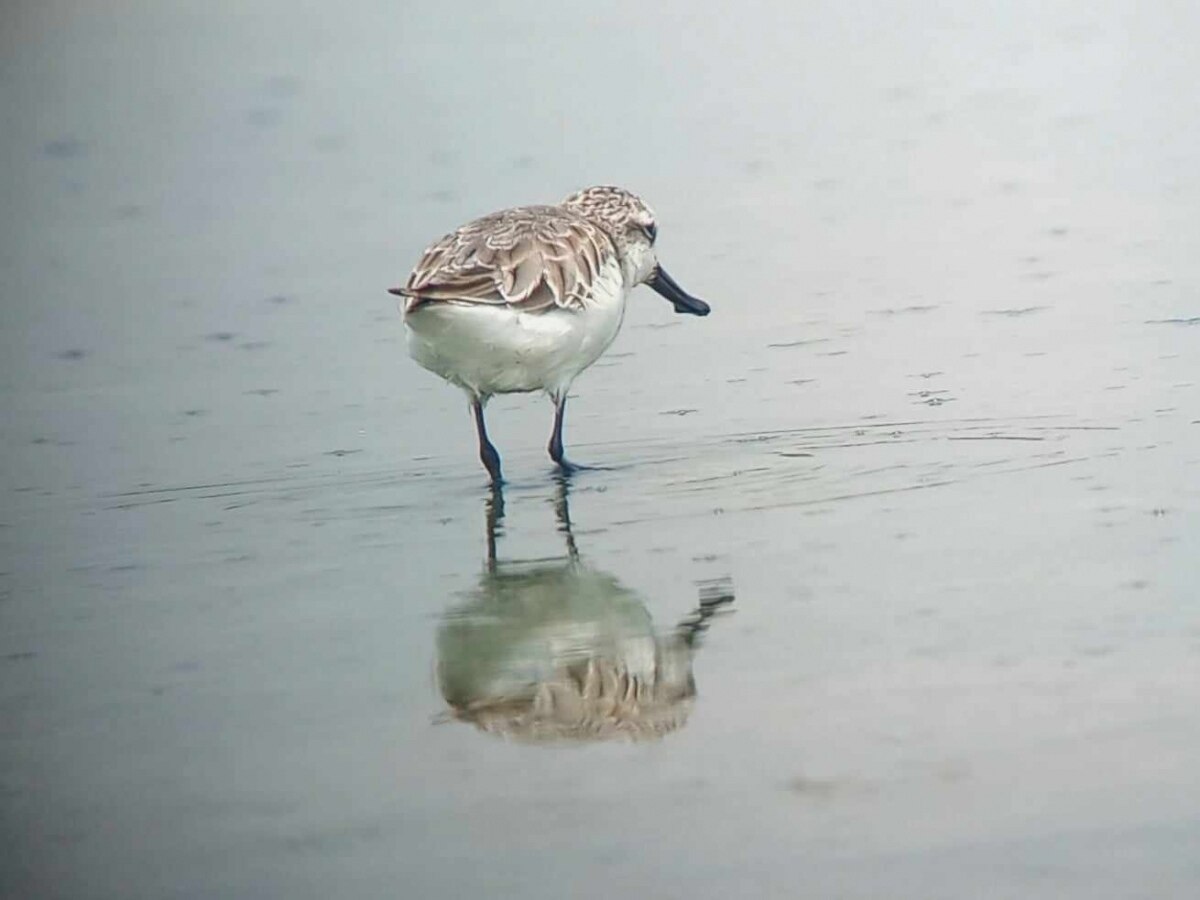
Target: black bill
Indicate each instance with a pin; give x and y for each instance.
(682, 300)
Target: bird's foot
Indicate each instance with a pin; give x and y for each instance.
(566, 467)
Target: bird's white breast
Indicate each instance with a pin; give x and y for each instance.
(495, 349)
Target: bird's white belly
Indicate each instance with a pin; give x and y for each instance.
(497, 350)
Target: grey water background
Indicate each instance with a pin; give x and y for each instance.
(940, 438)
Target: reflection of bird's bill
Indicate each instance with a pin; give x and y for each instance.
(716, 592)
(716, 595)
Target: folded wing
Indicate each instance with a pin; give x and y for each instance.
(531, 258)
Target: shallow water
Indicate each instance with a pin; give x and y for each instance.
(925, 488)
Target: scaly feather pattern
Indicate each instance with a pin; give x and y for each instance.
(530, 258)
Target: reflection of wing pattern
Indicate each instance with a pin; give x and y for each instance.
(531, 258)
(593, 699)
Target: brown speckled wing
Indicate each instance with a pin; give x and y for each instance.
(531, 258)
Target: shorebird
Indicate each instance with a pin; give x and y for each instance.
(527, 298)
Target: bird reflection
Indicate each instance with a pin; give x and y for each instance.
(557, 650)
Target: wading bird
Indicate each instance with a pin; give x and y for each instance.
(527, 298)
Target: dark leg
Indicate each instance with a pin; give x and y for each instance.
(556, 442)
(487, 453)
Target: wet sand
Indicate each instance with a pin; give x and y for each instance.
(936, 453)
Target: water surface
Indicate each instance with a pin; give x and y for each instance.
(923, 489)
